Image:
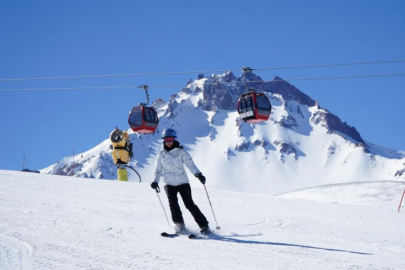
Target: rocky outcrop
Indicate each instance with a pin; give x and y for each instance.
(335, 125)
(288, 91)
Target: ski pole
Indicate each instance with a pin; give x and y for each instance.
(157, 193)
(401, 201)
(218, 228)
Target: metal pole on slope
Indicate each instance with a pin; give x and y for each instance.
(157, 194)
(24, 162)
(73, 160)
(399, 208)
(218, 228)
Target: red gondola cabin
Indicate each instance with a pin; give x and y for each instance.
(143, 120)
(254, 107)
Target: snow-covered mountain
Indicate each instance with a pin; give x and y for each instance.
(302, 145)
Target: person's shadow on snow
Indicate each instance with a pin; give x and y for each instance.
(217, 237)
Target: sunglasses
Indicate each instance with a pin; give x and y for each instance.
(168, 139)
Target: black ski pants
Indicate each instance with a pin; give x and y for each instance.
(185, 193)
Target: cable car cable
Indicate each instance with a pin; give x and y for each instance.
(334, 65)
(193, 72)
(182, 85)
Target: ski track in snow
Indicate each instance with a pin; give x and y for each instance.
(15, 253)
(54, 222)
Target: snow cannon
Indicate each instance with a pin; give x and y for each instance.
(121, 153)
(120, 143)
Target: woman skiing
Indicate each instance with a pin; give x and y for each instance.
(170, 163)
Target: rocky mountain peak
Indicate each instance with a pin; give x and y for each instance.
(299, 135)
(158, 103)
(228, 77)
(250, 76)
(223, 91)
(288, 91)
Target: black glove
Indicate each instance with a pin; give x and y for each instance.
(154, 185)
(200, 177)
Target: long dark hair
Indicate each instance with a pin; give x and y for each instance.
(175, 144)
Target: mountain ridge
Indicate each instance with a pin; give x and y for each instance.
(275, 154)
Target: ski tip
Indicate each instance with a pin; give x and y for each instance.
(192, 236)
(171, 235)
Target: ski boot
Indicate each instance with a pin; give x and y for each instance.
(205, 230)
(179, 227)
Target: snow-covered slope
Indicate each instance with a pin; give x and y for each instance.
(302, 145)
(379, 193)
(59, 222)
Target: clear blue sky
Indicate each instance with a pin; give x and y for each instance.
(79, 38)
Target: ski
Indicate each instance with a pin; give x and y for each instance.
(169, 235)
(174, 235)
(201, 236)
(190, 236)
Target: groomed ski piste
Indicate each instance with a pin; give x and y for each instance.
(58, 222)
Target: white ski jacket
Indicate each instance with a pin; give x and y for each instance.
(170, 165)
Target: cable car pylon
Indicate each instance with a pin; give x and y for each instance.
(253, 107)
(143, 119)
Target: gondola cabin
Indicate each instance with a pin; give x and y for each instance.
(143, 120)
(254, 107)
